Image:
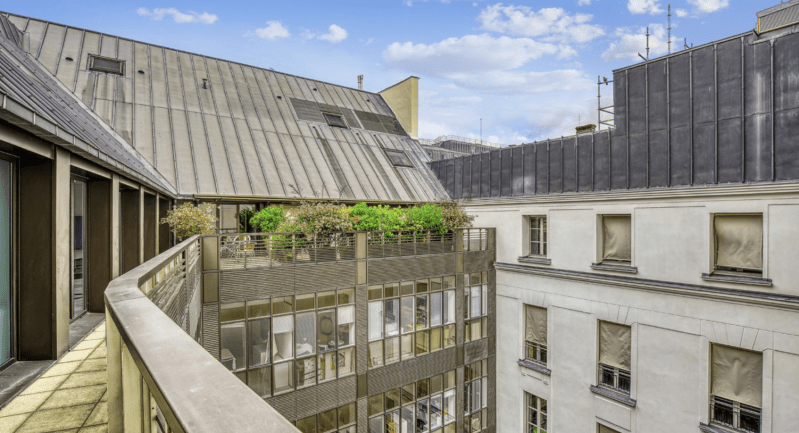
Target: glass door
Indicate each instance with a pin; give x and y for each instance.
(78, 289)
(6, 257)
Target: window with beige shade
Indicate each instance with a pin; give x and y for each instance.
(616, 239)
(615, 343)
(738, 244)
(736, 388)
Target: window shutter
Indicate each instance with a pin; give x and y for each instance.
(535, 324)
(616, 236)
(737, 374)
(739, 241)
(614, 345)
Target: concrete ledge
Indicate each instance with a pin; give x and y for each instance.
(613, 395)
(535, 260)
(712, 429)
(535, 366)
(737, 280)
(614, 268)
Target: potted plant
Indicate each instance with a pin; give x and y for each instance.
(189, 220)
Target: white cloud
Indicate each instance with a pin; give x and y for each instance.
(335, 34)
(552, 24)
(583, 2)
(469, 53)
(179, 17)
(273, 30)
(644, 7)
(709, 5)
(682, 13)
(453, 101)
(632, 41)
(523, 82)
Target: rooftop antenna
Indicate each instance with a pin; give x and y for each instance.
(360, 82)
(685, 43)
(599, 108)
(669, 28)
(646, 59)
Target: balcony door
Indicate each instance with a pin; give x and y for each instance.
(6, 257)
(79, 255)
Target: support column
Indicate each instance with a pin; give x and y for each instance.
(130, 249)
(114, 199)
(99, 227)
(150, 226)
(61, 250)
(142, 223)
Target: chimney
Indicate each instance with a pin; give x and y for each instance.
(360, 82)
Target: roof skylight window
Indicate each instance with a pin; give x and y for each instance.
(398, 158)
(107, 65)
(335, 120)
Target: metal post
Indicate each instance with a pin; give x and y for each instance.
(716, 112)
(646, 93)
(627, 120)
(691, 120)
(668, 123)
(773, 120)
(743, 111)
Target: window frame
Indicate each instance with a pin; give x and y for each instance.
(600, 239)
(328, 115)
(737, 409)
(725, 271)
(530, 425)
(543, 242)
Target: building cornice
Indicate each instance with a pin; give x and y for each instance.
(694, 290)
(688, 192)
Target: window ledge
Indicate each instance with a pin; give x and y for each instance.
(614, 268)
(535, 260)
(613, 395)
(736, 279)
(712, 429)
(535, 366)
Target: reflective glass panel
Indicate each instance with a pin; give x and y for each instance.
(259, 341)
(232, 355)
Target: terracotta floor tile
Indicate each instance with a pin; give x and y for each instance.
(99, 415)
(56, 419)
(85, 379)
(75, 355)
(74, 397)
(92, 364)
(62, 368)
(24, 404)
(45, 384)
(10, 424)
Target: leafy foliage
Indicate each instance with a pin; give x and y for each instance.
(319, 218)
(245, 216)
(189, 220)
(269, 218)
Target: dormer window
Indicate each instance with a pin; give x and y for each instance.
(107, 65)
(336, 120)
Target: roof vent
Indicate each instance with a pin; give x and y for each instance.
(107, 65)
(335, 120)
(777, 17)
(398, 158)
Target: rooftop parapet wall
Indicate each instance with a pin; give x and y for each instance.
(722, 113)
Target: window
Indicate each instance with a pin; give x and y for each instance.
(535, 334)
(398, 158)
(475, 306)
(426, 406)
(536, 414)
(602, 429)
(614, 356)
(538, 236)
(278, 344)
(616, 239)
(736, 388)
(410, 319)
(7, 297)
(738, 244)
(475, 395)
(105, 64)
(336, 120)
(341, 420)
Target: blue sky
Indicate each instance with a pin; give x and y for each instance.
(527, 68)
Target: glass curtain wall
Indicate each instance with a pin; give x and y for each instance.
(79, 256)
(6, 255)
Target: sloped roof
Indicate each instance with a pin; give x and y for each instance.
(217, 128)
(45, 108)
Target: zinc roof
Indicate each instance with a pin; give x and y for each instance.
(212, 127)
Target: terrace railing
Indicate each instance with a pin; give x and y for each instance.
(159, 378)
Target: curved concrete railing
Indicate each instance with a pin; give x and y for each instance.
(159, 377)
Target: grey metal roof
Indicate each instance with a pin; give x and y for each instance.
(23, 80)
(217, 128)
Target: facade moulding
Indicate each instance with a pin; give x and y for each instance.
(759, 189)
(730, 295)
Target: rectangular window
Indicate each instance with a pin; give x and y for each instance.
(736, 388)
(306, 340)
(616, 239)
(346, 326)
(536, 414)
(408, 315)
(398, 158)
(602, 429)
(738, 245)
(614, 356)
(535, 334)
(376, 320)
(282, 338)
(392, 317)
(335, 120)
(108, 65)
(538, 236)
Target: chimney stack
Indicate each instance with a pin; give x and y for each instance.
(360, 82)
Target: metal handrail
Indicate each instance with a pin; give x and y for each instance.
(155, 367)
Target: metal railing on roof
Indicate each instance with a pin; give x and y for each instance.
(159, 377)
(443, 138)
